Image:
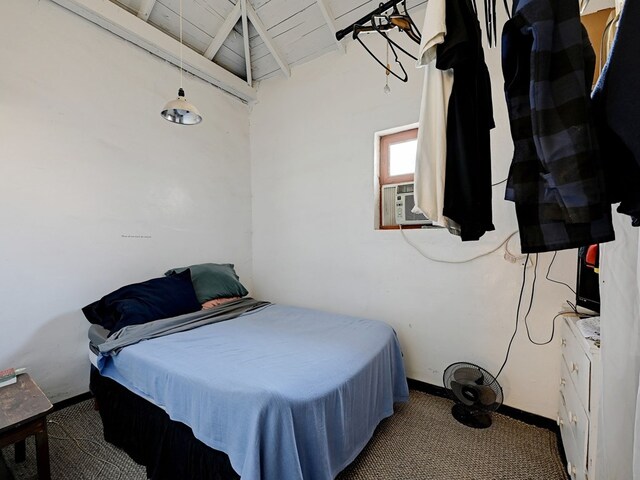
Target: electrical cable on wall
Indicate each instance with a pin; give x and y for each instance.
(573, 311)
(526, 316)
(440, 260)
(526, 264)
(515, 331)
(499, 183)
(556, 281)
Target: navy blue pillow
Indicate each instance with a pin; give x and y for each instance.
(144, 302)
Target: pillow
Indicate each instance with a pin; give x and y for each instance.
(144, 302)
(217, 302)
(212, 280)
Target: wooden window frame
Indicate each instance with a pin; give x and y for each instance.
(384, 178)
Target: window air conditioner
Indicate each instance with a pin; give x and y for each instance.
(397, 203)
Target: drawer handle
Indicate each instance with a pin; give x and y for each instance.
(571, 469)
(559, 421)
(563, 342)
(574, 367)
(563, 382)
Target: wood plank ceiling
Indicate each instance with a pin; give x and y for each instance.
(281, 33)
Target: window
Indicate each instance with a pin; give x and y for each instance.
(397, 165)
(398, 157)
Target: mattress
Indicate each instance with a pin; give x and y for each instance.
(97, 335)
(287, 393)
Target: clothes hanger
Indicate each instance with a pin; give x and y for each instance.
(358, 29)
(381, 29)
(402, 21)
(405, 23)
(491, 19)
(382, 24)
(491, 23)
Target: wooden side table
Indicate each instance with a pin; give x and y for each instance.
(23, 412)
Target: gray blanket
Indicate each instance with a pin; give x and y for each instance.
(159, 328)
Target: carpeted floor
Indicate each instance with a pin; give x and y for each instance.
(421, 441)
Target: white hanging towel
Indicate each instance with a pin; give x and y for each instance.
(431, 156)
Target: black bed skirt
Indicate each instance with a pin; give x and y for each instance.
(145, 432)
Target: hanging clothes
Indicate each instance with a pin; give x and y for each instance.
(556, 178)
(467, 190)
(432, 148)
(616, 105)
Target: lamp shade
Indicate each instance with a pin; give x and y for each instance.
(180, 111)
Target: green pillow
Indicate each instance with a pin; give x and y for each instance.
(212, 280)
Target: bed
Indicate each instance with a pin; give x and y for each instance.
(273, 393)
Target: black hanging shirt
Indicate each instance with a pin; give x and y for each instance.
(467, 193)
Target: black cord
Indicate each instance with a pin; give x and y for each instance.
(557, 281)
(553, 331)
(533, 289)
(578, 314)
(526, 323)
(500, 182)
(515, 331)
(531, 298)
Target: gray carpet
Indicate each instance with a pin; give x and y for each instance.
(421, 441)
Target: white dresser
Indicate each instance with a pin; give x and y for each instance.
(579, 397)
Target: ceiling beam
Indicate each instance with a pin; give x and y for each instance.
(245, 37)
(145, 9)
(121, 23)
(273, 48)
(331, 23)
(223, 31)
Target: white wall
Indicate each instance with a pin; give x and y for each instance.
(86, 160)
(312, 151)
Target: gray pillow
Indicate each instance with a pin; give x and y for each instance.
(213, 280)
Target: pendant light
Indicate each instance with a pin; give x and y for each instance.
(179, 110)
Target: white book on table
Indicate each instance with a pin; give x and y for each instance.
(8, 381)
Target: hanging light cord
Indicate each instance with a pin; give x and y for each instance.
(180, 44)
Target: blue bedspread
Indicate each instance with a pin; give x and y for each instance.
(287, 393)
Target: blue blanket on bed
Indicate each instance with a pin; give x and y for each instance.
(287, 393)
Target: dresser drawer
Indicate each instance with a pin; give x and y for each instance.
(575, 465)
(578, 365)
(576, 417)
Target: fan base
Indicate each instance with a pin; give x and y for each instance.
(470, 418)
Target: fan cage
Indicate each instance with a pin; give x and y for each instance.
(486, 379)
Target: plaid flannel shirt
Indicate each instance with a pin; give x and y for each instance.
(556, 178)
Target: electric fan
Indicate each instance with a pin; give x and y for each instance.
(475, 391)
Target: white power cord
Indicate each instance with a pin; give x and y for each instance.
(505, 243)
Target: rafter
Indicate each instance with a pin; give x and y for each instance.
(245, 37)
(224, 31)
(273, 48)
(145, 9)
(331, 23)
(121, 23)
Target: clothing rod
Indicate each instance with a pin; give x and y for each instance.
(381, 9)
